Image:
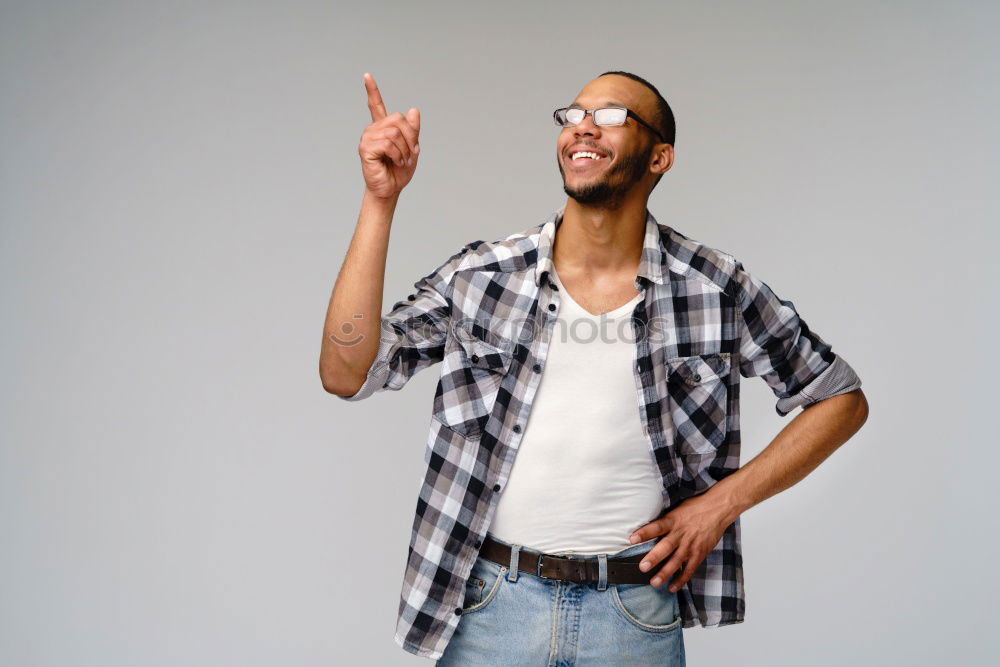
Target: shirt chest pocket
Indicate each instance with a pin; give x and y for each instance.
(697, 394)
(474, 365)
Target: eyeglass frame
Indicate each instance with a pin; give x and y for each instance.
(628, 114)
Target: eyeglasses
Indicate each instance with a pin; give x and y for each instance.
(569, 116)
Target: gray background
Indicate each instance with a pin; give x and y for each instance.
(178, 185)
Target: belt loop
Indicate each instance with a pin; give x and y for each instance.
(515, 553)
(602, 572)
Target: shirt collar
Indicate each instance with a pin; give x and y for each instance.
(652, 264)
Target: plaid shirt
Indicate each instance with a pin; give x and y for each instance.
(487, 316)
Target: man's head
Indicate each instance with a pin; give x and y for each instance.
(633, 157)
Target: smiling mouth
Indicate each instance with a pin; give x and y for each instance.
(585, 161)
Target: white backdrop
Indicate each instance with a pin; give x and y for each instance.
(179, 182)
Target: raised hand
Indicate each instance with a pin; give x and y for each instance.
(388, 147)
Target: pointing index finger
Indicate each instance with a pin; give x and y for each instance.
(375, 104)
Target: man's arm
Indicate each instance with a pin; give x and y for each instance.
(812, 436)
(388, 150)
(695, 526)
(351, 329)
(362, 352)
(802, 371)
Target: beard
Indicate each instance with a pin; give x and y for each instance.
(608, 190)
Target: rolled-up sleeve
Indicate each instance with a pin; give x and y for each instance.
(777, 345)
(413, 333)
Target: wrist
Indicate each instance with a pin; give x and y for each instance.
(374, 201)
(732, 501)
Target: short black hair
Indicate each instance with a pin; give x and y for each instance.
(664, 120)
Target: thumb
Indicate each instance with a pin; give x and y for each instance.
(413, 116)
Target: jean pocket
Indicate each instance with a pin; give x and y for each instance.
(483, 584)
(648, 607)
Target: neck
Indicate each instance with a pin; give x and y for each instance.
(592, 241)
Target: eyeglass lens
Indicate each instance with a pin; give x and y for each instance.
(609, 116)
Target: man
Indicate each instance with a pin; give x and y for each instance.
(631, 452)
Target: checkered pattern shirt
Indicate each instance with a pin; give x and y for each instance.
(487, 314)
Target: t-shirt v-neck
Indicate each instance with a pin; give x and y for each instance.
(620, 311)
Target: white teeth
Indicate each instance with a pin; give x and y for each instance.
(593, 156)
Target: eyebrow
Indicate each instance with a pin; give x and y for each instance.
(609, 103)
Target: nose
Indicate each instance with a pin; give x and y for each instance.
(586, 126)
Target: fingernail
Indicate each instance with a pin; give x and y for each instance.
(644, 566)
(633, 539)
(655, 582)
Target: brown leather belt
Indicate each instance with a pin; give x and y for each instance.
(578, 568)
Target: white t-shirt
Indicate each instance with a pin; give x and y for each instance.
(584, 476)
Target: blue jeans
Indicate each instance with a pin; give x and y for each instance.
(513, 618)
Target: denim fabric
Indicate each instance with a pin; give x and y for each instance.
(515, 618)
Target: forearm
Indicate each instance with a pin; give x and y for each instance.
(351, 330)
(797, 450)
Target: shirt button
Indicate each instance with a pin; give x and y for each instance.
(496, 487)
(537, 368)
(479, 543)
(517, 428)
(412, 297)
(458, 611)
(696, 377)
(552, 306)
(475, 358)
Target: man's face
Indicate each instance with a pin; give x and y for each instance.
(625, 150)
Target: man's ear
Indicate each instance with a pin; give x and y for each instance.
(663, 158)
